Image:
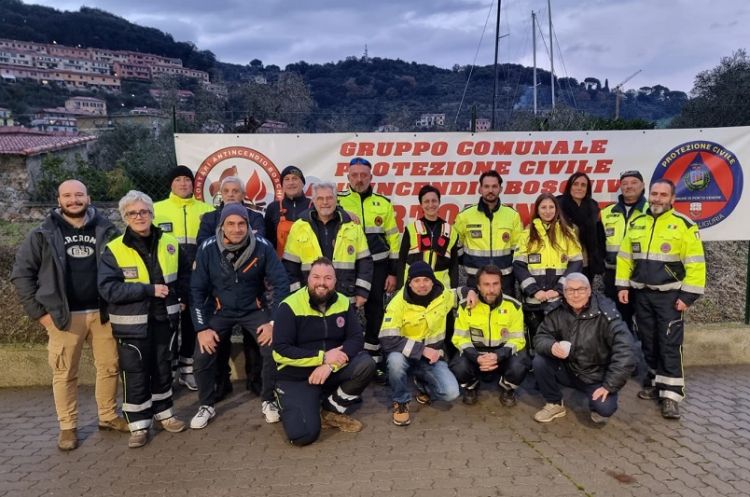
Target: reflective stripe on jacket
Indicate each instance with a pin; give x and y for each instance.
(615, 222)
(377, 218)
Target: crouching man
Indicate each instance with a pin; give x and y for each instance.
(582, 343)
(319, 352)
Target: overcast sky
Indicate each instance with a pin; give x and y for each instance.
(671, 41)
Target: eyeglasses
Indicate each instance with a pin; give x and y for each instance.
(135, 214)
(576, 291)
(360, 160)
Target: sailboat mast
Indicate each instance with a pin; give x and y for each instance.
(551, 54)
(494, 86)
(533, 44)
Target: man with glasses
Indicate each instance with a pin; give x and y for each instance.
(662, 260)
(377, 217)
(584, 344)
(55, 277)
(180, 216)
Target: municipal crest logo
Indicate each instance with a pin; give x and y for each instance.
(171, 248)
(340, 322)
(259, 176)
(708, 180)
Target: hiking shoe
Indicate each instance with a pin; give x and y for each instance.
(202, 417)
(188, 380)
(649, 393)
(67, 439)
(550, 412)
(270, 411)
(670, 409)
(401, 414)
(471, 396)
(116, 424)
(345, 423)
(138, 438)
(507, 397)
(598, 418)
(172, 425)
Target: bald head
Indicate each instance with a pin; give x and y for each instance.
(73, 199)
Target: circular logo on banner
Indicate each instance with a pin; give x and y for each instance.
(170, 248)
(340, 322)
(259, 176)
(707, 177)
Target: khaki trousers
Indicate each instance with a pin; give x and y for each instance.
(65, 349)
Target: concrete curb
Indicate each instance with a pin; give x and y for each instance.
(705, 345)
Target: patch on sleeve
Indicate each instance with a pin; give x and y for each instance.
(130, 273)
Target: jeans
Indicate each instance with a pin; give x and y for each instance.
(438, 381)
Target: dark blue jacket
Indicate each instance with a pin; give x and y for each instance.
(216, 284)
(210, 221)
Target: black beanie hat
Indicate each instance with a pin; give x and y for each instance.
(180, 171)
(292, 170)
(420, 268)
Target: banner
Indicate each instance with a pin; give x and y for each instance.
(704, 164)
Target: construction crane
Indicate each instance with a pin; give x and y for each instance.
(618, 92)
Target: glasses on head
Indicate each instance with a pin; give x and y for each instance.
(137, 214)
(576, 291)
(360, 160)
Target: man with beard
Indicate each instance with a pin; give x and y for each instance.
(661, 259)
(490, 341)
(413, 337)
(318, 349)
(281, 214)
(55, 274)
(229, 275)
(180, 215)
(377, 217)
(326, 230)
(489, 232)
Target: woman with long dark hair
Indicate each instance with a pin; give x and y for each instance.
(581, 211)
(547, 251)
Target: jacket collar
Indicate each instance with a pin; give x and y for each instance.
(181, 201)
(483, 207)
(638, 206)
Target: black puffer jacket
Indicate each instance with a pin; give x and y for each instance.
(601, 342)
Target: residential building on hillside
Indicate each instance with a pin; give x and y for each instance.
(87, 105)
(431, 120)
(6, 119)
(55, 119)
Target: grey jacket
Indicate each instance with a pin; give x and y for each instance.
(39, 269)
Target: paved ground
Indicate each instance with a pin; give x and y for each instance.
(454, 450)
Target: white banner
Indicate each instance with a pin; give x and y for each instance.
(704, 164)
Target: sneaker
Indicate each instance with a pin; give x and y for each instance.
(67, 439)
(550, 412)
(116, 424)
(270, 411)
(598, 418)
(649, 393)
(670, 409)
(188, 380)
(380, 377)
(138, 438)
(507, 397)
(202, 417)
(401, 414)
(471, 395)
(347, 424)
(172, 425)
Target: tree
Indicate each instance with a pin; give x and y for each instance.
(720, 96)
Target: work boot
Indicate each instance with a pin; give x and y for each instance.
(347, 424)
(471, 396)
(67, 439)
(172, 425)
(138, 438)
(116, 424)
(550, 412)
(401, 414)
(507, 397)
(649, 393)
(670, 409)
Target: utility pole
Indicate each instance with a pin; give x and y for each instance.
(494, 86)
(533, 44)
(551, 54)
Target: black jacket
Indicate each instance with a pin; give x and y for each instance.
(292, 209)
(210, 221)
(600, 349)
(39, 269)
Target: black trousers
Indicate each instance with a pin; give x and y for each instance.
(627, 311)
(374, 311)
(207, 365)
(300, 402)
(661, 330)
(253, 360)
(146, 368)
(182, 349)
(510, 372)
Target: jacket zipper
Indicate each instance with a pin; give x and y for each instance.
(184, 219)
